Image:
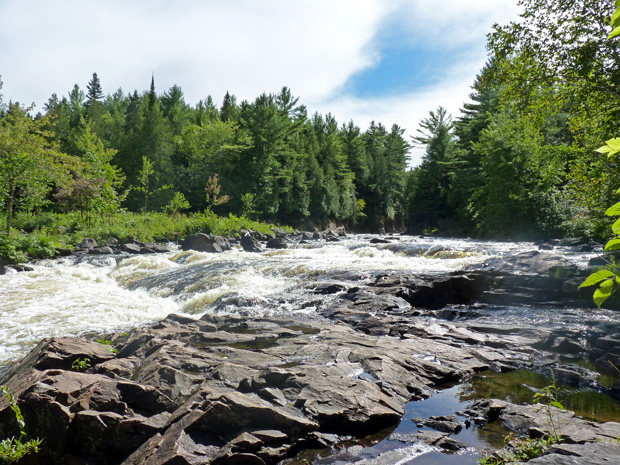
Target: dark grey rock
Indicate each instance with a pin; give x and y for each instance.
(4, 262)
(204, 243)
(532, 262)
(88, 243)
(446, 424)
(277, 243)
(250, 244)
(328, 288)
(18, 268)
(222, 389)
(378, 240)
(131, 248)
(280, 233)
(101, 250)
(64, 252)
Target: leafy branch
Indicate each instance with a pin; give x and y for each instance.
(607, 280)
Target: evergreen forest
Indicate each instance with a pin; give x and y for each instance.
(518, 162)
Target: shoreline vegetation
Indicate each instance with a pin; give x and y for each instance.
(43, 236)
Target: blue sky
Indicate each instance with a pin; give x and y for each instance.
(391, 61)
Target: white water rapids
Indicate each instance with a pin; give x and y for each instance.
(95, 295)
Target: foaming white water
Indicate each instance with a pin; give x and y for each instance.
(60, 298)
(63, 297)
(399, 456)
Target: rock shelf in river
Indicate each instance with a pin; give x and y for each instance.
(224, 390)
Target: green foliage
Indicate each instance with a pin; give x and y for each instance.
(10, 248)
(211, 223)
(97, 184)
(29, 163)
(13, 449)
(178, 203)
(81, 364)
(428, 196)
(607, 281)
(249, 203)
(517, 450)
(272, 161)
(38, 245)
(63, 230)
(145, 175)
(106, 342)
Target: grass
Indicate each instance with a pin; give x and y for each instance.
(39, 236)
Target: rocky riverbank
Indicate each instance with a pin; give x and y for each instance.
(229, 390)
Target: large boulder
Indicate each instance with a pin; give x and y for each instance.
(277, 243)
(206, 243)
(250, 244)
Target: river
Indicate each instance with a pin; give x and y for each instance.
(94, 294)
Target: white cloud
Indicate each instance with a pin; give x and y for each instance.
(451, 24)
(405, 110)
(441, 24)
(244, 46)
(206, 47)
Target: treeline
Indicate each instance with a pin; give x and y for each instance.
(145, 151)
(520, 161)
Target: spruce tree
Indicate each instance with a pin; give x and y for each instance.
(229, 110)
(94, 104)
(429, 200)
(95, 93)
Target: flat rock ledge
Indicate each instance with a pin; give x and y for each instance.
(223, 390)
(582, 442)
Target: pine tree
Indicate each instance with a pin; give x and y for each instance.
(156, 143)
(76, 105)
(206, 112)
(95, 93)
(229, 110)
(175, 110)
(94, 105)
(429, 200)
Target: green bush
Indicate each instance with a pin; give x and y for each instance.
(38, 245)
(9, 248)
(29, 223)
